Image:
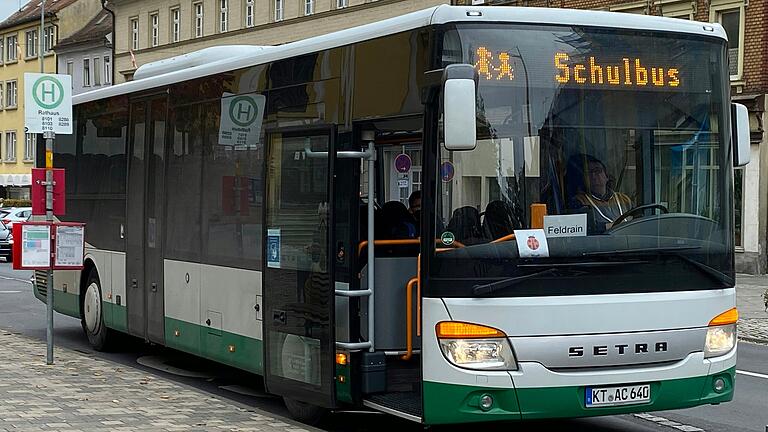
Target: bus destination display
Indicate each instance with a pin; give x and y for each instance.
(629, 72)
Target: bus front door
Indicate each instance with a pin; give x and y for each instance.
(298, 292)
(144, 219)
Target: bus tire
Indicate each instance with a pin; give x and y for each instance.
(304, 412)
(92, 320)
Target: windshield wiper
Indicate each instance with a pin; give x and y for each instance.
(713, 273)
(642, 250)
(509, 282)
(551, 268)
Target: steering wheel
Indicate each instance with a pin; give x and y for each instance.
(630, 212)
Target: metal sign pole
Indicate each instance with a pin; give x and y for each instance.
(49, 136)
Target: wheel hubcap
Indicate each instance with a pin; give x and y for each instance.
(92, 306)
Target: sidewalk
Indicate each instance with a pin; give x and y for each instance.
(753, 319)
(81, 393)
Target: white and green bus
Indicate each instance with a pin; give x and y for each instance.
(461, 214)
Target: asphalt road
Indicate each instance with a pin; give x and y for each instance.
(21, 312)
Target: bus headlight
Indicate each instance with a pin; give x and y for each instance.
(720, 340)
(474, 346)
(721, 334)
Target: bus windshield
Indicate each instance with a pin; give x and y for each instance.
(619, 137)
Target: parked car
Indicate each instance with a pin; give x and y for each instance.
(14, 214)
(6, 242)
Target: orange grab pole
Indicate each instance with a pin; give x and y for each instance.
(408, 319)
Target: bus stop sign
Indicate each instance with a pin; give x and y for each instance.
(48, 103)
(38, 191)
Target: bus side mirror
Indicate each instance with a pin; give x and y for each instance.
(459, 106)
(740, 122)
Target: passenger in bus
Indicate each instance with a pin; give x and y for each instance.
(596, 193)
(394, 221)
(499, 220)
(465, 225)
(414, 208)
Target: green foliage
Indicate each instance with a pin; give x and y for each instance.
(16, 203)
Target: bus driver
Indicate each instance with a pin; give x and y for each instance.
(598, 196)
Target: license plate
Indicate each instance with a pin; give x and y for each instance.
(621, 395)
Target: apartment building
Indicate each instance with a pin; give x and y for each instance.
(19, 45)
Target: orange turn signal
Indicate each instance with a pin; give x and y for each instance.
(728, 317)
(341, 359)
(462, 330)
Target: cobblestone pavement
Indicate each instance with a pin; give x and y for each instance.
(81, 393)
(753, 322)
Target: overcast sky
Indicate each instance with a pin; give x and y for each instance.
(7, 7)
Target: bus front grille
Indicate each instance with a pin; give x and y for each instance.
(41, 282)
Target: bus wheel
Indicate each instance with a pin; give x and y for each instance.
(93, 314)
(304, 412)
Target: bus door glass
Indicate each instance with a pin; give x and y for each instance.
(298, 296)
(144, 221)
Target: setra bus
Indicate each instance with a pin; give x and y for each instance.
(461, 214)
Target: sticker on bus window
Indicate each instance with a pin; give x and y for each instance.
(532, 243)
(273, 248)
(566, 225)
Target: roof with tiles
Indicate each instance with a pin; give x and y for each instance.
(95, 31)
(31, 12)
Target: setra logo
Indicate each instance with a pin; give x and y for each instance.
(620, 349)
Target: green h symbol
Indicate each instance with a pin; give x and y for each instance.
(244, 109)
(48, 90)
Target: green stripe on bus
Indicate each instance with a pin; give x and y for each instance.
(66, 303)
(451, 403)
(116, 316)
(248, 352)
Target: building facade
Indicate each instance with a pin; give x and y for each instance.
(150, 30)
(86, 56)
(19, 42)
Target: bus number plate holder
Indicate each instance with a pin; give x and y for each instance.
(618, 395)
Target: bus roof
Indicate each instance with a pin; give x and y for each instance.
(435, 15)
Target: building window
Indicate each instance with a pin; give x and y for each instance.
(340, 4)
(175, 24)
(86, 72)
(635, 7)
(10, 94)
(96, 72)
(198, 19)
(249, 13)
(731, 22)
(10, 146)
(107, 70)
(2, 52)
(134, 34)
(2, 99)
(10, 48)
(278, 10)
(48, 35)
(29, 147)
(71, 71)
(31, 49)
(154, 30)
(309, 7)
(223, 16)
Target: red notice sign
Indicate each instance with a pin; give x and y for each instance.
(31, 246)
(38, 191)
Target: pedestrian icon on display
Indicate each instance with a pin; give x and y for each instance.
(47, 103)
